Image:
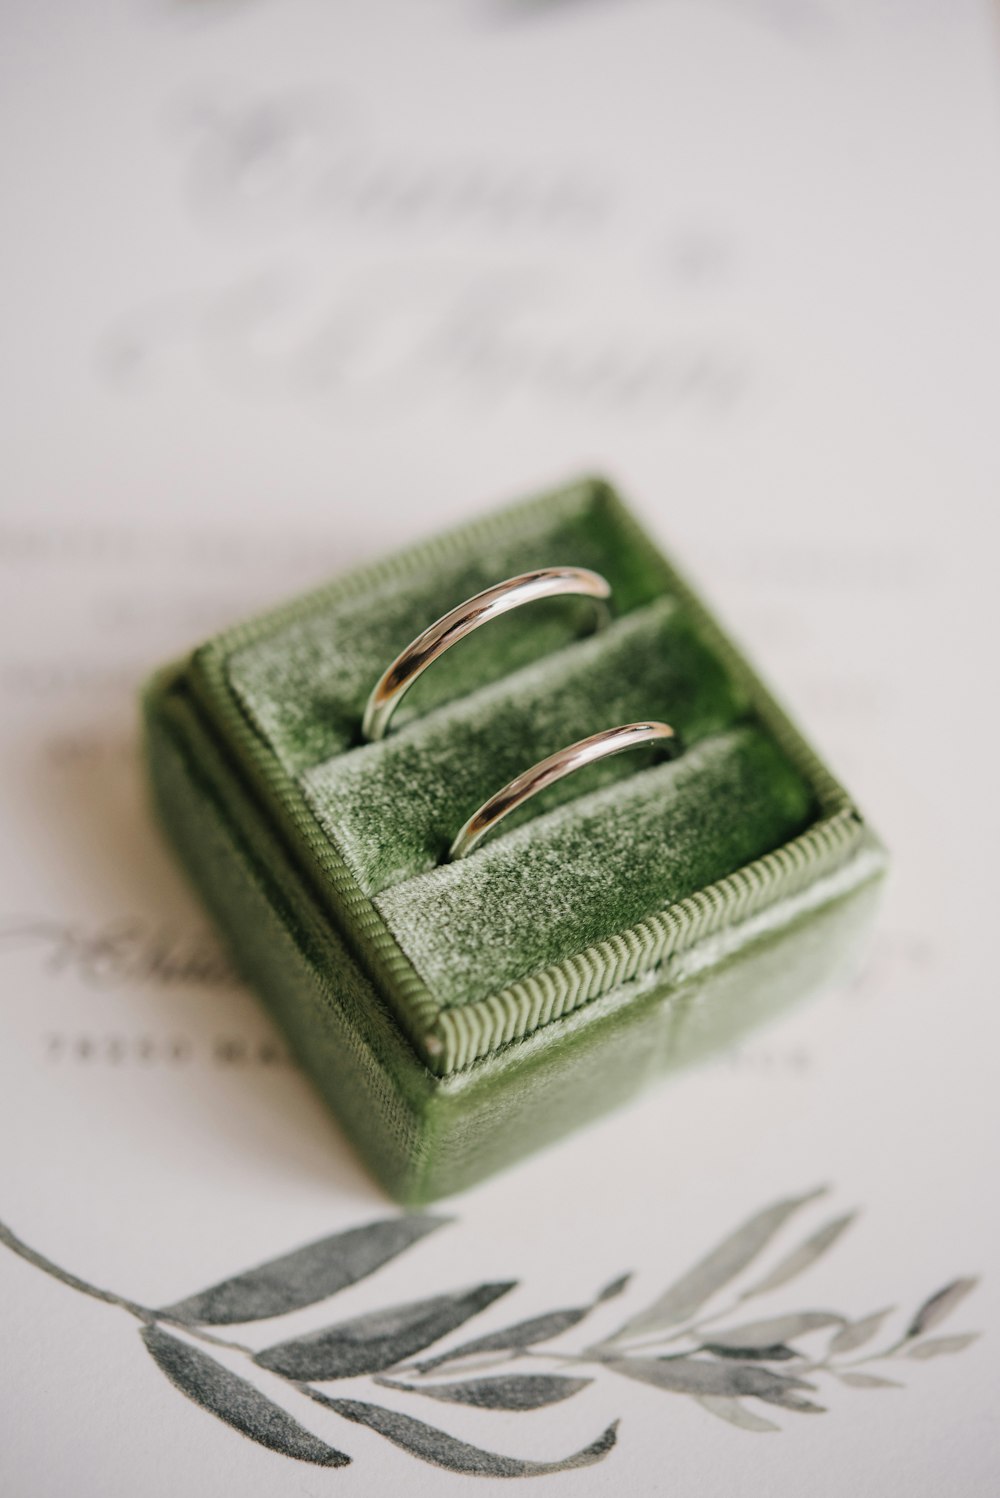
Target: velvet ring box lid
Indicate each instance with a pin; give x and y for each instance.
(457, 1015)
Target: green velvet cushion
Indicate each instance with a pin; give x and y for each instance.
(452, 978)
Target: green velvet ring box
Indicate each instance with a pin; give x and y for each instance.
(457, 1015)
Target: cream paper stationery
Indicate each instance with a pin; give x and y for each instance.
(288, 286)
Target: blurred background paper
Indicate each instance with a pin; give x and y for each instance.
(286, 286)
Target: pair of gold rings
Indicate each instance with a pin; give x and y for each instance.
(527, 587)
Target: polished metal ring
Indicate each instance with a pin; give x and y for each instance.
(395, 682)
(547, 772)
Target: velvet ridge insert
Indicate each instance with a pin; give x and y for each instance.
(636, 915)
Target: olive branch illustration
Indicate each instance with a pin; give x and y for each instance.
(680, 1344)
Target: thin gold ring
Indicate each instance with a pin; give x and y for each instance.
(547, 772)
(396, 680)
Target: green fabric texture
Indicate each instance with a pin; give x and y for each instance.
(430, 1000)
(595, 866)
(425, 781)
(305, 682)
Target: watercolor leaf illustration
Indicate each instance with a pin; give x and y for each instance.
(511, 1391)
(234, 1400)
(694, 1340)
(379, 1340)
(682, 1299)
(304, 1277)
(444, 1450)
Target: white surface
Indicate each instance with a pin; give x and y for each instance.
(743, 257)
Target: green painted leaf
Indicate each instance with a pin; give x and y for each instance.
(527, 1333)
(511, 1391)
(304, 1276)
(707, 1376)
(857, 1333)
(610, 1291)
(235, 1401)
(510, 1338)
(688, 1294)
(940, 1305)
(939, 1346)
(735, 1412)
(775, 1329)
(379, 1339)
(795, 1402)
(444, 1450)
(803, 1257)
(777, 1352)
(867, 1381)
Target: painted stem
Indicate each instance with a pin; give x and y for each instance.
(142, 1313)
(73, 1280)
